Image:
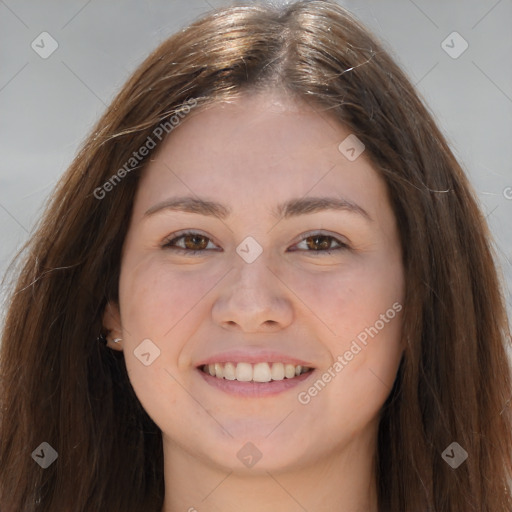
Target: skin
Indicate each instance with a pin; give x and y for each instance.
(251, 154)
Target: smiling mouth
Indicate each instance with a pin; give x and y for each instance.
(258, 372)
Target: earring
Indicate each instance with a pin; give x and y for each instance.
(117, 340)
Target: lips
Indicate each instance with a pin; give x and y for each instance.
(254, 373)
(253, 357)
(253, 389)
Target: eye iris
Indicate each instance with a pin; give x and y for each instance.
(325, 244)
(194, 244)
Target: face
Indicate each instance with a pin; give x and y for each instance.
(258, 291)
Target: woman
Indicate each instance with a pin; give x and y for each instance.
(173, 344)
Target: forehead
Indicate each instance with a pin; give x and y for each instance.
(265, 145)
(262, 123)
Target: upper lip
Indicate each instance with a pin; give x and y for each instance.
(253, 356)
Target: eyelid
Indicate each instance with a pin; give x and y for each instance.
(319, 232)
(339, 239)
(183, 233)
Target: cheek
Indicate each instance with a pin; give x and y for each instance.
(359, 312)
(159, 305)
(347, 298)
(157, 301)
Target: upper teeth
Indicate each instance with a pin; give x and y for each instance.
(259, 372)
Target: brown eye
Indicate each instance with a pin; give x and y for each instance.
(190, 243)
(194, 242)
(319, 242)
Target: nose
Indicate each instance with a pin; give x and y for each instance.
(254, 298)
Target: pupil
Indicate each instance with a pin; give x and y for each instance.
(194, 238)
(325, 244)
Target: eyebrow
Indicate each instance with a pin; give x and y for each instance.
(290, 208)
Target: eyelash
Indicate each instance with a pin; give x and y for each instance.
(191, 252)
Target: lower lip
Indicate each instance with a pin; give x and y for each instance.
(254, 389)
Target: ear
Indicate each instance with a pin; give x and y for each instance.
(112, 323)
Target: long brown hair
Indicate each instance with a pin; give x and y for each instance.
(58, 385)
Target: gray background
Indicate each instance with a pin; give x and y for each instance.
(49, 105)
